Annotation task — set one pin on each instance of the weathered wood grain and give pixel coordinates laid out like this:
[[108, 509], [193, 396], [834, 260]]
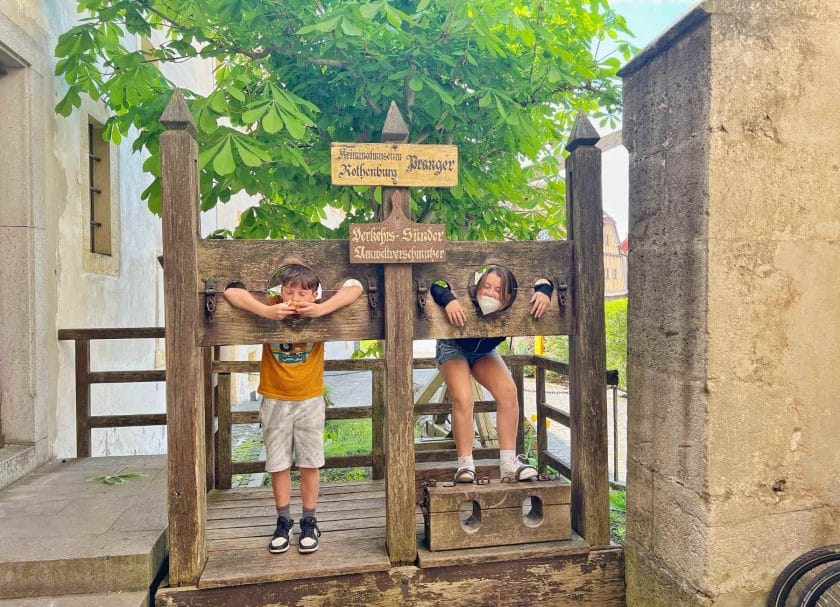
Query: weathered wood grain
[[224, 454], [184, 385], [498, 527], [126, 421], [399, 415], [587, 347], [378, 424], [82, 398], [496, 494], [254, 262], [528, 261], [589, 579]]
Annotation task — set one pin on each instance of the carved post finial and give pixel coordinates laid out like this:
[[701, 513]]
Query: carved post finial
[[177, 115], [583, 133], [395, 128]]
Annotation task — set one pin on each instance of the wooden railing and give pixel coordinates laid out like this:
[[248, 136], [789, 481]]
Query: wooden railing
[[221, 417]]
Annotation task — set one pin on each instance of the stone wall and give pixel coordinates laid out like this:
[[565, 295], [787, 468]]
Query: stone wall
[[734, 336]]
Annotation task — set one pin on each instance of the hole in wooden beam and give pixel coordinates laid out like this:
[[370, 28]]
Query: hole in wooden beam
[[532, 511], [469, 514], [492, 289]]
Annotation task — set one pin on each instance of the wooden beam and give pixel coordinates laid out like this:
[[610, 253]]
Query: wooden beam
[[400, 533], [184, 385], [587, 346]]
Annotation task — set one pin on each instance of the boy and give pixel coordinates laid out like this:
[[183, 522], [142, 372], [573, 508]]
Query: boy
[[292, 384]]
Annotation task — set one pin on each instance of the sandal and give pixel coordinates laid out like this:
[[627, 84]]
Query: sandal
[[464, 475], [521, 471]]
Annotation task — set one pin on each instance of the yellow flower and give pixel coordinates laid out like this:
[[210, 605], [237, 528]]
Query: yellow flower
[[534, 418], [548, 423]]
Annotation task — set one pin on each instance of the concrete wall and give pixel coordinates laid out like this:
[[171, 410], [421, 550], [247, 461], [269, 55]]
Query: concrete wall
[[734, 339]]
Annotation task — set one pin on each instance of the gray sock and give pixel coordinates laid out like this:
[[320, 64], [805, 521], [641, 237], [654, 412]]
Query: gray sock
[[310, 512], [284, 511]]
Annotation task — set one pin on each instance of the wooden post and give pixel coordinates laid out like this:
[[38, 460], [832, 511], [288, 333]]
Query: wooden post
[[587, 347], [184, 385], [400, 532], [518, 372], [377, 422], [224, 456], [542, 431], [82, 398], [209, 417]]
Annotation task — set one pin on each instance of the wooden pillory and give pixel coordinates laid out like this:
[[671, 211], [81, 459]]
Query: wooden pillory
[[198, 318]]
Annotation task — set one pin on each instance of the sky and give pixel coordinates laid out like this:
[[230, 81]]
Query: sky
[[647, 19]]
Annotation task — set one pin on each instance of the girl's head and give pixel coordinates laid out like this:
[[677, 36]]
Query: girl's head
[[496, 282]]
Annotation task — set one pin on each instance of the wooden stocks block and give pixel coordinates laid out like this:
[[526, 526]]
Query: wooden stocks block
[[496, 514]]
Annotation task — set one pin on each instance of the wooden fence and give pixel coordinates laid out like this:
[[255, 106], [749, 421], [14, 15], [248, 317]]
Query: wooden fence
[[220, 417]]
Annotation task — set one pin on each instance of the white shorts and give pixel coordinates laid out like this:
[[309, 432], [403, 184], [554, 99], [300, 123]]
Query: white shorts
[[293, 427]]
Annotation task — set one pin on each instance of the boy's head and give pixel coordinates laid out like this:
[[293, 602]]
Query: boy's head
[[298, 283]]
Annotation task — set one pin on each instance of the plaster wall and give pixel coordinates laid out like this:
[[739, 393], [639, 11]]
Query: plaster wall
[[67, 286], [733, 331]]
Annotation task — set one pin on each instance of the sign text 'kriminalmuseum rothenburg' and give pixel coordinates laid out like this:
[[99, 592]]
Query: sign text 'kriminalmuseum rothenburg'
[[394, 164]]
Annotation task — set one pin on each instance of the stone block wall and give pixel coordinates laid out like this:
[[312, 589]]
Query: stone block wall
[[734, 335]]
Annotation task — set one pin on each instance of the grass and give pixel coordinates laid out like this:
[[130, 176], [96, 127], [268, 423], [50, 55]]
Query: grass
[[618, 515]]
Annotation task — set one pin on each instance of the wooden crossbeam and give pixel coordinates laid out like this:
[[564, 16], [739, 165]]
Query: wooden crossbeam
[[253, 263]]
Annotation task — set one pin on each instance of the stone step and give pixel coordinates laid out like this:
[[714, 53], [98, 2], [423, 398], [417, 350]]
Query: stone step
[[16, 461], [108, 599], [63, 532]]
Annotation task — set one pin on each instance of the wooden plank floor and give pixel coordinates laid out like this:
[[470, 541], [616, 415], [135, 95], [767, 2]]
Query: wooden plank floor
[[352, 521], [240, 522]]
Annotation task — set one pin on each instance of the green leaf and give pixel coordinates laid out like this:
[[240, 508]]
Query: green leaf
[[416, 83], [322, 26], [486, 100], [251, 116], [369, 11], [223, 163], [272, 122], [248, 157], [350, 28]]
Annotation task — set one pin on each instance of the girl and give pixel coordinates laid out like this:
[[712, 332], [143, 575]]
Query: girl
[[457, 359]]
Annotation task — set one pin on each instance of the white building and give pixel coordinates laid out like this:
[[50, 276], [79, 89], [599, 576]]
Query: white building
[[53, 276]]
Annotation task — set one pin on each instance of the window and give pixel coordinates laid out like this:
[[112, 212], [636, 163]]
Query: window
[[99, 187]]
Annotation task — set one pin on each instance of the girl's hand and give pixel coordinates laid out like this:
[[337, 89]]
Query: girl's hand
[[455, 313], [539, 304]]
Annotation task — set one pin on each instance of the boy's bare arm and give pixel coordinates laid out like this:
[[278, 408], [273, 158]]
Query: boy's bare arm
[[242, 299], [343, 297]]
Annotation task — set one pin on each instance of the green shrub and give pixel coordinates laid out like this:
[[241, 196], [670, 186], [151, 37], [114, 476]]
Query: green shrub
[[615, 317]]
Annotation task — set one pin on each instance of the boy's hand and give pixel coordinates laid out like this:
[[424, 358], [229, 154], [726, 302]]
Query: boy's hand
[[539, 304], [310, 309], [278, 311], [455, 313]]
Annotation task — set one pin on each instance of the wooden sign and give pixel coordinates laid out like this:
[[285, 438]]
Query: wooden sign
[[397, 240], [394, 164]]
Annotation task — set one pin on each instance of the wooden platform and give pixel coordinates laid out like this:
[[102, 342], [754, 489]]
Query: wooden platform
[[352, 566]]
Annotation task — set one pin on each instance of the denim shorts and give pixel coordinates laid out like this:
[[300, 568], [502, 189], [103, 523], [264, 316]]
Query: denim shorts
[[450, 349]]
